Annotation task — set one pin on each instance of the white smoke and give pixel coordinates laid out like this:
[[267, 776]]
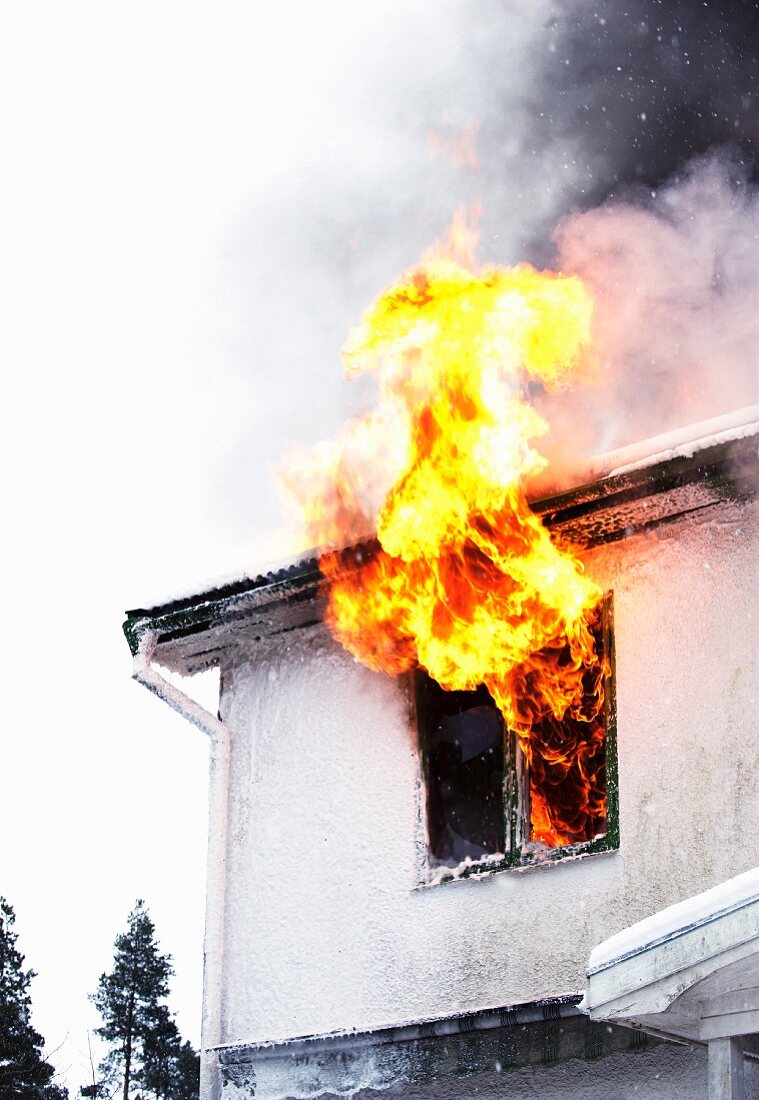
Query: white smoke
[[676, 328]]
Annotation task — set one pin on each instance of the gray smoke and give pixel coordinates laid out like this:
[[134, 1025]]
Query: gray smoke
[[658, 104], [624, 92], [579, 106]]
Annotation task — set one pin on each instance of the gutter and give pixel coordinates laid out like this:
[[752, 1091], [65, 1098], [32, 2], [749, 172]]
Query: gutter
[[562, 1007]]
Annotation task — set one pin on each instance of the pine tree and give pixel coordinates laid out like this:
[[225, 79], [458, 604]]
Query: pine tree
[[145, 1046], [129, 998], [186, 1073], [24, 1073], [171, 1070], [160, 1051]]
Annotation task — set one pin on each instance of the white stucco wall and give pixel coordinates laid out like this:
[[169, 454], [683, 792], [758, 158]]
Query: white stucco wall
[[320, 924]]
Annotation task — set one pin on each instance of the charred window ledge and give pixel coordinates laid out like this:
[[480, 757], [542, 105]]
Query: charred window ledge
[[479, 791]]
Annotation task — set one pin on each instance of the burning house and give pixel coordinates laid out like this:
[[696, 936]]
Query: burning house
[[452, 759], [358, 935]]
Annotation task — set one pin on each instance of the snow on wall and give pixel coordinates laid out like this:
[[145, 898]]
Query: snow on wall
[[323, 927]]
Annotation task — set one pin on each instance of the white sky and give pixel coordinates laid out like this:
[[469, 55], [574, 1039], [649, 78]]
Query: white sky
[[195, 202]]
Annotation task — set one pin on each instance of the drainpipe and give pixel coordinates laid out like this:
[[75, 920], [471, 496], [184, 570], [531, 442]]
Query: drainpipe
[[218, 784], [144, 673]]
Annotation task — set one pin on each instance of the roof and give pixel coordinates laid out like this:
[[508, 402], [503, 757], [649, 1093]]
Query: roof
[[436, 1055], [690, 971], [629, 491], [676, 920]]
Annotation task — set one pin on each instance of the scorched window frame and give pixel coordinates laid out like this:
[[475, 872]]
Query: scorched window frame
[[521, 853]]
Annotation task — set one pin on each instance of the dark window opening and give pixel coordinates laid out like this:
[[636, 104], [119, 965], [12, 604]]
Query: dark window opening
[[484, 799], [464, 746]]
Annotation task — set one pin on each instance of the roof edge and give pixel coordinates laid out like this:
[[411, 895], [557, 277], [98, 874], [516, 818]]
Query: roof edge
[[687, 477], [485, 1019]]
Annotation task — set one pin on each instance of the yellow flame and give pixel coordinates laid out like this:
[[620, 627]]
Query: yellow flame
[[466, 581]]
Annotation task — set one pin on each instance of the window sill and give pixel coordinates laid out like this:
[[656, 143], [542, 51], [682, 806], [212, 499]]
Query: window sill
[[531, 857]]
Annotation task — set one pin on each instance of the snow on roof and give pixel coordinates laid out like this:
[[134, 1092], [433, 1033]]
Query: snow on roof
[[681, 443], [224, 587], [684, 916]]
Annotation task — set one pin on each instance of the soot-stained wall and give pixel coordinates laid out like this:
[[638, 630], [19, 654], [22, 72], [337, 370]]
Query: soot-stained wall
[[319, 921]]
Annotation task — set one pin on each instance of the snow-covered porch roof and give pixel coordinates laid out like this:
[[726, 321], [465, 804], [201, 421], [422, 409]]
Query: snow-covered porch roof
[[688, 972]]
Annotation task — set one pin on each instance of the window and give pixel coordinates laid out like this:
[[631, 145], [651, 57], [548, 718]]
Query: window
[[484, 801]]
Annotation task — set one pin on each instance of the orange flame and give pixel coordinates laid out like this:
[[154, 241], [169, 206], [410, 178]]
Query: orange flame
[[464, 579]]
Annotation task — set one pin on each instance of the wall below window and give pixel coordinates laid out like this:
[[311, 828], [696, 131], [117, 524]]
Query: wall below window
[[323, 927]]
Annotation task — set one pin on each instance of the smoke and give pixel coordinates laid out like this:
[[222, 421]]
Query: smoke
[[623, 93], [565, 107], [360, 189], [647, 113], [674, 276]]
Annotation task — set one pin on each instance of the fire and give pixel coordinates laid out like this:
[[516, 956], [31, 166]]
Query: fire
[[464, 580]]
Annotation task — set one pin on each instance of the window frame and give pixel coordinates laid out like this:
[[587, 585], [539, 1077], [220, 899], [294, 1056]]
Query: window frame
[[522, 853]]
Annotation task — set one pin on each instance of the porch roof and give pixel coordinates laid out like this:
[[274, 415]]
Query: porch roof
[[688, 972]]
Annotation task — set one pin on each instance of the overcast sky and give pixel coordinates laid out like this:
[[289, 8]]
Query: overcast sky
[[196, 202]]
